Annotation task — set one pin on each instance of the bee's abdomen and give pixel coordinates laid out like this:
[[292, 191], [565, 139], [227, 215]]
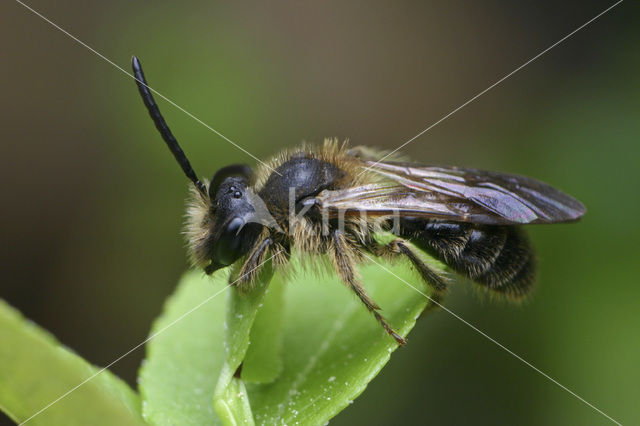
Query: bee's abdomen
[[497, 257]]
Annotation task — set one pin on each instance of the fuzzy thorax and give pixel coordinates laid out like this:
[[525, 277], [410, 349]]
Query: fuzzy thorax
[[306, 236]]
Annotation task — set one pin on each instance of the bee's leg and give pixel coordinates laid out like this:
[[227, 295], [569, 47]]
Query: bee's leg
[[430, 276], [399, 247], [252, 266], [342, 255]]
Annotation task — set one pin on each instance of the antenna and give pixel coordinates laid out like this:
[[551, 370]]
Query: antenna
[[162, 126]]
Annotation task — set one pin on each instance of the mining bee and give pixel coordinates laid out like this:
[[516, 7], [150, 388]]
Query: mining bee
[[333, 200]]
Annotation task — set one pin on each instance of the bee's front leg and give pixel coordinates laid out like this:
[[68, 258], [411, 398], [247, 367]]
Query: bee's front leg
[[253, 264]]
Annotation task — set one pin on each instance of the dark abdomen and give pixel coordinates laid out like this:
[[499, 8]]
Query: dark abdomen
[[499, 258]]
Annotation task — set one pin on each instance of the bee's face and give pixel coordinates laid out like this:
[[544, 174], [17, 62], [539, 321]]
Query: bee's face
[[221, 225], [230, 208]]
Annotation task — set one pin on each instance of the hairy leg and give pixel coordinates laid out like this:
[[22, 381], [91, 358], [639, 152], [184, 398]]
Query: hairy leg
[[253, 265], [342, 256], [430, 276], [400, 247]]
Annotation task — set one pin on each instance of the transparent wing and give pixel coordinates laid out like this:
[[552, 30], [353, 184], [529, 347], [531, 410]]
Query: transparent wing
[[456, 194]]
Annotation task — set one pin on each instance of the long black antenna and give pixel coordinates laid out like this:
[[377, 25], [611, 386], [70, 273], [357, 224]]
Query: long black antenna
[[162, 127]]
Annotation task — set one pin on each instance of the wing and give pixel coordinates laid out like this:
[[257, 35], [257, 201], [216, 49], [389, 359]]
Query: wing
[[456, 194]]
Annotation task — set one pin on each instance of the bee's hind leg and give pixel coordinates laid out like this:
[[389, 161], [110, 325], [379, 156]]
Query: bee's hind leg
[[400, 247], [343, 255]]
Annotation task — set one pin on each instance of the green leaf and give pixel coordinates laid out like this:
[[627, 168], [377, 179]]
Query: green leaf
[[333, 347], [319, 347], [230, 397], [263, 360], [242, 310], [231, 402], [35, 370], [184, 359], [186, 355]]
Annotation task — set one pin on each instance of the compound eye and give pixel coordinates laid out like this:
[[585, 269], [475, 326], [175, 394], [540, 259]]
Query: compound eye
[[228, 247]]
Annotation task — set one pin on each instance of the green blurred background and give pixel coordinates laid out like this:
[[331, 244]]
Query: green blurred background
[[93, 201]]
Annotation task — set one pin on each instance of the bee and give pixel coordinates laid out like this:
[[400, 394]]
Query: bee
[[331, 201]]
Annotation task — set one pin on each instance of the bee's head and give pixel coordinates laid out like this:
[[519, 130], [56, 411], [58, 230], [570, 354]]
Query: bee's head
[[222, 223], [232, 222]]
